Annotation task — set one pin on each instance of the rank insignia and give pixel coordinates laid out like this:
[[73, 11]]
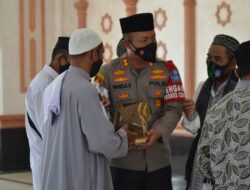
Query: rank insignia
[[157, 71], [150, 64], [123, 96], [157, 77], [158, 103], [157, 93], [119, 73], [99, 78], [125, 62], [120, 79]]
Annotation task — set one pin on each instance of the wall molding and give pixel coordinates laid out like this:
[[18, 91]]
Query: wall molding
[[18, 121], [12, 121]]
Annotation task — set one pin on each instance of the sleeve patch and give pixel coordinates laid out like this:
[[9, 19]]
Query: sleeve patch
[[174, 88], [99, 78], [174, 75]]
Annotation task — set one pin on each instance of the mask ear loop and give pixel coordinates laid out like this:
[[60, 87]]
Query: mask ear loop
[[237, 72], [132, 44], [126, 53]]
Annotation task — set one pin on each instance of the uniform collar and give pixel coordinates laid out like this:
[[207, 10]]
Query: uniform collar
[[51, 72], [126, 64], [79, 71]]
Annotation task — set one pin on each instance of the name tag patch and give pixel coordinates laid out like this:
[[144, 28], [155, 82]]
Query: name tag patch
[[157, 83], [122, 86]]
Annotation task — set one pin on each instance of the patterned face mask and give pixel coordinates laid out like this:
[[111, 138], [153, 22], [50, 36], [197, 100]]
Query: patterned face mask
[[215, 71]]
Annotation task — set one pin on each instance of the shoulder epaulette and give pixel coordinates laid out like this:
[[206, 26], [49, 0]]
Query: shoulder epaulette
[[170, 65]]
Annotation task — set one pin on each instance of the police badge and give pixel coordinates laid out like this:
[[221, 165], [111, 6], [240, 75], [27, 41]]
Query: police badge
[[136, 115]]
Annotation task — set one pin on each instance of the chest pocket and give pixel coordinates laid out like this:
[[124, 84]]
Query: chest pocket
[[156, 92]]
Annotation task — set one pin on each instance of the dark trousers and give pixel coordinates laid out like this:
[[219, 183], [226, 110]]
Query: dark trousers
[[142, 180]]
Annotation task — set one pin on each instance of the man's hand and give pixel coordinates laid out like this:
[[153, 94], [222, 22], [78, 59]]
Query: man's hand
[[105, 102], [153, 136], [188, 107]]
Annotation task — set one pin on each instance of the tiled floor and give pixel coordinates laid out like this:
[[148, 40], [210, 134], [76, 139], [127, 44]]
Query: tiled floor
[[22, 181], [16, 181]]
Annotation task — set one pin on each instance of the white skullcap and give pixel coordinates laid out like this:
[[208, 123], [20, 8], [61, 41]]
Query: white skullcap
[[83, 40]]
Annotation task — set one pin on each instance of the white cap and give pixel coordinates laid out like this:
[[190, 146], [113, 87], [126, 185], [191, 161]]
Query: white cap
[[83, 40]]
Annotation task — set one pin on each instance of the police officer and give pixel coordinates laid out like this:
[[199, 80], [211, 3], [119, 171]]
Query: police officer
[[139, 76]]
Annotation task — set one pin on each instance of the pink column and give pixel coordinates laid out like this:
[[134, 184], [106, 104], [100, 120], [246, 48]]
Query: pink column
[[131, 6], [81, 7], [189, 55]]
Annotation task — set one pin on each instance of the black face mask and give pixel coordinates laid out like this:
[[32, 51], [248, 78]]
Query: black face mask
[[147, 53], [63, 68], [95, 67], [214, 71]]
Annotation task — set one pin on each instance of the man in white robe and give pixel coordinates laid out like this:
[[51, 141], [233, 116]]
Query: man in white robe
[[223, 151], [33, 103], [80, 138]]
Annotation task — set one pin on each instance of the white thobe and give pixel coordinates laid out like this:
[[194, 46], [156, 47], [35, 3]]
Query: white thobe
[[80, 139], [34, 106]]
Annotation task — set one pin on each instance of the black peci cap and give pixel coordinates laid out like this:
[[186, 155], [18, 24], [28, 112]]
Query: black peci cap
[[227, 41], [137, 23], [61, 44]]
